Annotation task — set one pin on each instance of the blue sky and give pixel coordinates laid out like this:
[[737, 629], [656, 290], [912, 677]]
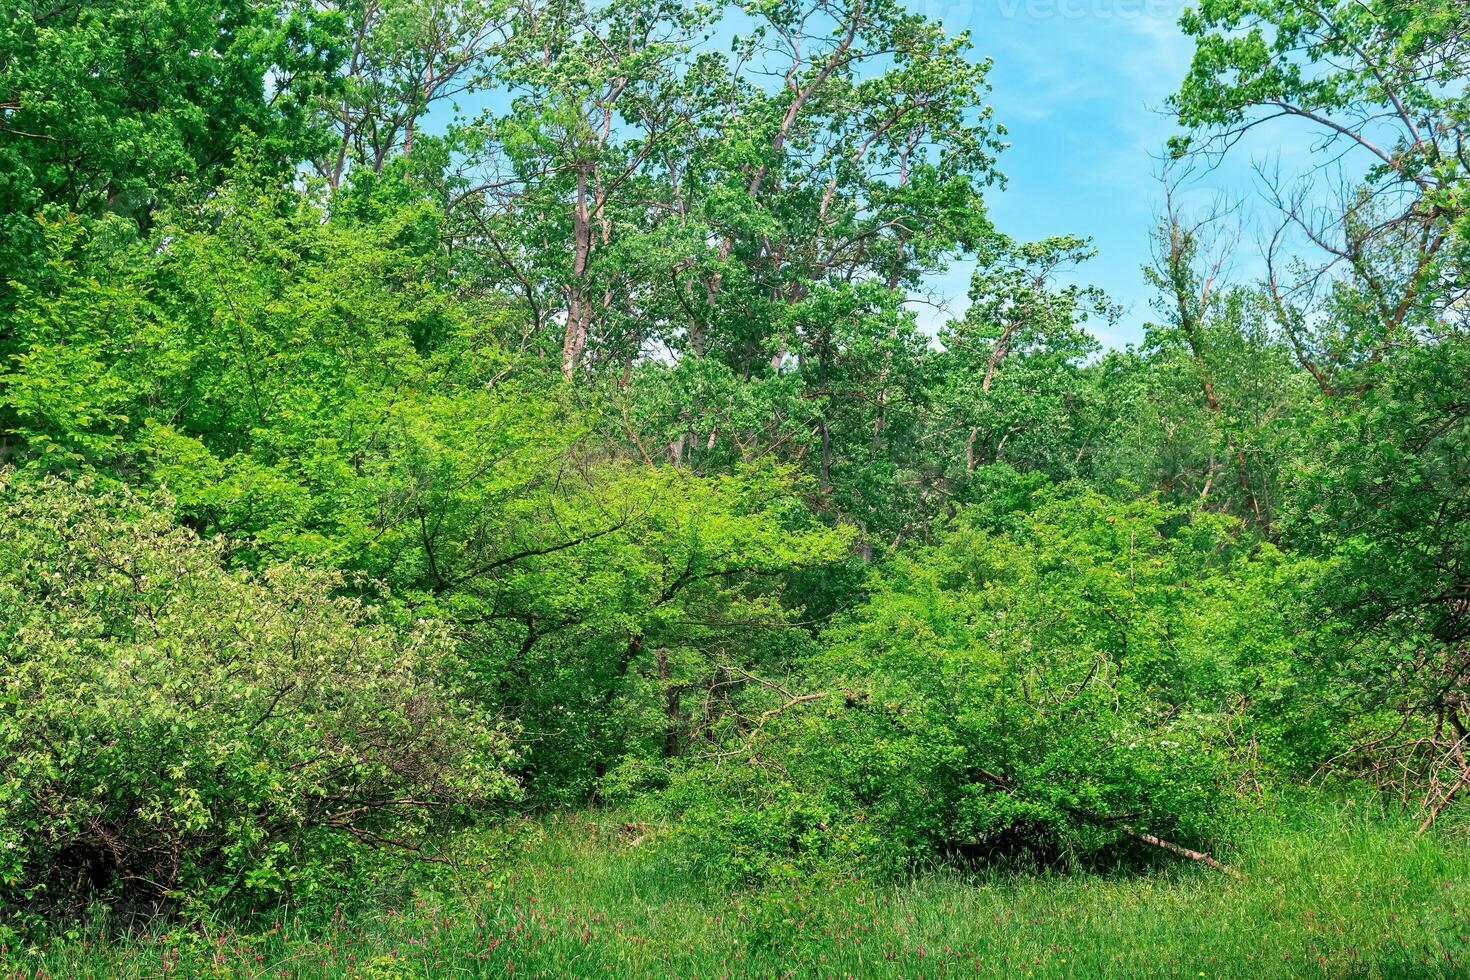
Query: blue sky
[[1080, 86]]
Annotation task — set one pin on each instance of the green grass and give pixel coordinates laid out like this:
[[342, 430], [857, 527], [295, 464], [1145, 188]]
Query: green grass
[[1329, 892]]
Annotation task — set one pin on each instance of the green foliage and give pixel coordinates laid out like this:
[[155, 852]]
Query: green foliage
[[1011, 371], [610, 650], [65, 393], [107, 104], [173, 730], [1384, 497], [1054, 690], [347, 434], [1374, 486], [303, 385], [753, 826]]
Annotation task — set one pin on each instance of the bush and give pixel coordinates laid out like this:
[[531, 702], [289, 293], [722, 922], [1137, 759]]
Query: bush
[[169, 727], [1052, 692]]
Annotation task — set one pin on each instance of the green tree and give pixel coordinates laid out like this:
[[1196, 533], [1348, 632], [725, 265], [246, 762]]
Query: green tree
[[1377, 485], [1014, 387], [402, 60], [103, 105], [1384, 82]]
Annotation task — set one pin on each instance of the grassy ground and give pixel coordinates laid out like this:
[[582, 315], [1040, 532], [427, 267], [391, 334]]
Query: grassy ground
[[1330, 893]]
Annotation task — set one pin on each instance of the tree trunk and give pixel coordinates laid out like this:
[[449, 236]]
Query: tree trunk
[[578, 310]]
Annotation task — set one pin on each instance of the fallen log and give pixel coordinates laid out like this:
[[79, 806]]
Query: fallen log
[[1180, 850]]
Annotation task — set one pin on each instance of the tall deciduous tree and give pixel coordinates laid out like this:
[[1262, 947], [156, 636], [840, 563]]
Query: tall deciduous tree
[[403, 58], [1015, 352], [1377, 320]]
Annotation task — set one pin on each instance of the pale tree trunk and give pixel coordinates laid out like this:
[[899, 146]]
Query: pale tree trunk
[[893, 276], [578, 311]]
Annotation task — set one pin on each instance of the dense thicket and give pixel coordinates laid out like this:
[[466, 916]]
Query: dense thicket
[[175, 728], [368, 436]]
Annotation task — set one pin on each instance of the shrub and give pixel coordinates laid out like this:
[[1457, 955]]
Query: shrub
[[1057, 692], [170, 727]]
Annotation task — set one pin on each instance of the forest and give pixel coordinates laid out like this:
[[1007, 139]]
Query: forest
[[482, 497]]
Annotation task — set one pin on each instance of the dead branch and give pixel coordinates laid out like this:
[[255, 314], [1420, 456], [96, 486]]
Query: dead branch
[[1180, 850]]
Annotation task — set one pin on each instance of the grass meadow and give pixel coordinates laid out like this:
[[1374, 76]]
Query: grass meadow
[[1326, 891]]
